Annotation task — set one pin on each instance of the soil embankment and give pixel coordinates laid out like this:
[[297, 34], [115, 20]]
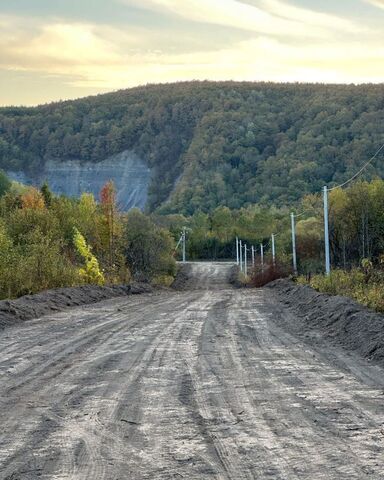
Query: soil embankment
[[34, 306], [191, 276], [338, 319]]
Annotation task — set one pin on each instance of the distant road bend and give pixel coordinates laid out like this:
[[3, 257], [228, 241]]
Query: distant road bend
[[199, 384]]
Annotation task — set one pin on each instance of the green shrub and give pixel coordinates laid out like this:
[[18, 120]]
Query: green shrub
[[149, 249], [34, 265], [5, 183], [163, 280]]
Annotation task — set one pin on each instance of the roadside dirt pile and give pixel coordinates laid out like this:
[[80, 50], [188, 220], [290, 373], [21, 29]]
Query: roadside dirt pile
[[183, 277], [339, 319], [34, 306], [235, 279]]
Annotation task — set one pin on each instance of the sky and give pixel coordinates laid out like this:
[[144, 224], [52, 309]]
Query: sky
[[59, 49]]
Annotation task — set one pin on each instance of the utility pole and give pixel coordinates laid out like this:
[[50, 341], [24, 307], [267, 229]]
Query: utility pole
[[253, 256], [184, 241], [273, 250], [326, 233], [245, 260], [294, 258], [241, 255], [262, 257], [237, 250]]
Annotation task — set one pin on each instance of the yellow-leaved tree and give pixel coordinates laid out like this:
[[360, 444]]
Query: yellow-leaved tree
[[91, 272]]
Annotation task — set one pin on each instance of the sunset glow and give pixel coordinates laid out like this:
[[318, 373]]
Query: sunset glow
[[67, 49]]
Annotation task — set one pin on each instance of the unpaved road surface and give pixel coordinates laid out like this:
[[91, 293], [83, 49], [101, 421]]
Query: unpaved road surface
[[199, 384]]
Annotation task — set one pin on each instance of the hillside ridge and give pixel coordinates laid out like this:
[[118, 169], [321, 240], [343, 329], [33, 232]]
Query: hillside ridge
[[208, 143]]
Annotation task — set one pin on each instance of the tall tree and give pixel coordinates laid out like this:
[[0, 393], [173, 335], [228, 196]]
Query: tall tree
[[108, 203]]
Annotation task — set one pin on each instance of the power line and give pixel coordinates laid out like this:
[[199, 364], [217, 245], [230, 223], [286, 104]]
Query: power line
[[178, 243], [326, 190], [303, 213], [360, 171]]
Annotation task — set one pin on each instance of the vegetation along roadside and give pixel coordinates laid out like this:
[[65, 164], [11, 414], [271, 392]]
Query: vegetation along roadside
[[49, 241]]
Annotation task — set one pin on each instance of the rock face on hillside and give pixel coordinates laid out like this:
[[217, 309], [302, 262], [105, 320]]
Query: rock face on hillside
[[71, 177]]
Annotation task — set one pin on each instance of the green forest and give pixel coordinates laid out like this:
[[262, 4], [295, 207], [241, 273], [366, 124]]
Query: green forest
[[49, 241], [356, 220], [210, 144]]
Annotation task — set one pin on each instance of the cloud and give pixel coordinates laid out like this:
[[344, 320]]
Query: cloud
[[92, 57], [376, 3], [55, 44], [309, 17], [69, 43], [272, 17], [256, 59]]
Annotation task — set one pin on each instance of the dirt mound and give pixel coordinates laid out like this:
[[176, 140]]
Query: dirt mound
[[184, 274], [235, 278], [339, 319], [35, 306]]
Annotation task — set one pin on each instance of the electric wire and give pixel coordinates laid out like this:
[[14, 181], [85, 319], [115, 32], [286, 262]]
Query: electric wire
[[267, 244], [264, 246], [360, 171], [302, 213]]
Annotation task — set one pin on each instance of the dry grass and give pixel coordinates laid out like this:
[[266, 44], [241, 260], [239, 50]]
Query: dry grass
[[271, 272], [366, 288]]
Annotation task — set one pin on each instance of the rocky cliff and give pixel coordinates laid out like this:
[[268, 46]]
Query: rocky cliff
[[72, 177]]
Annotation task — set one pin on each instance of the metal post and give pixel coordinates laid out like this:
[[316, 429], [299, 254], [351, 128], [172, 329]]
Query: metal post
[[241, 255], [245, 261], [273, 250], [237, 250], [184, 249], [253, 256], [178, 243], [326, 233], [262, 256], [294, 258]]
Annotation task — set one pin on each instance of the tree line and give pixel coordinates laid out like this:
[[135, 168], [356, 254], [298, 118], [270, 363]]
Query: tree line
[[356, 217], [49, 241]]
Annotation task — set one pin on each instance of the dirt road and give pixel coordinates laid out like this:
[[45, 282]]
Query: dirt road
[[200, 384]]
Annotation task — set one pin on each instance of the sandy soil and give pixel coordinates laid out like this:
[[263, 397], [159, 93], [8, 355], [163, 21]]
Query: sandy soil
[[57, 300], [206, 383], [339, 320]]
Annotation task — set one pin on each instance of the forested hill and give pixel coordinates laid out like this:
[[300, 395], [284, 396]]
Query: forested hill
[[209, 143]]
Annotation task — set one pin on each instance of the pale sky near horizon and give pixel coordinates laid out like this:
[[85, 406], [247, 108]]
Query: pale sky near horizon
[[60, 49]]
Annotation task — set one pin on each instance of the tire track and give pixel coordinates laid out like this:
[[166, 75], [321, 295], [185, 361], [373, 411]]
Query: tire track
[[202, 384]]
